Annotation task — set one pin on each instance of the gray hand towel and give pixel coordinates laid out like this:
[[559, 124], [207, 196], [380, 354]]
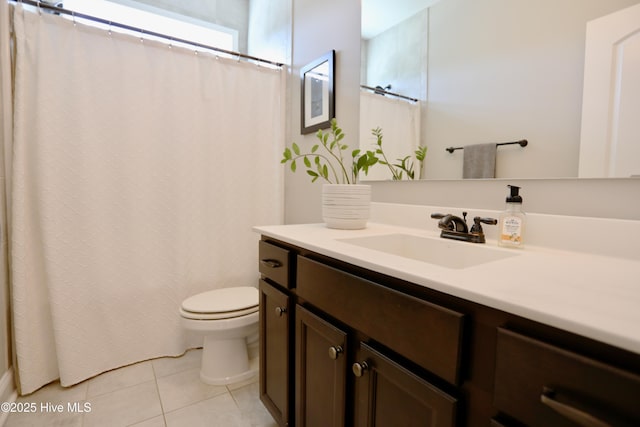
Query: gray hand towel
[[479, 161]]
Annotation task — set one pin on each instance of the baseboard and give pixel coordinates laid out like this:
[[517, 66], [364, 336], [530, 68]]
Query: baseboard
[[8, 392]]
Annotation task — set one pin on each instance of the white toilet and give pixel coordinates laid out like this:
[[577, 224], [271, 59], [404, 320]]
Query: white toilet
[[228, 319]]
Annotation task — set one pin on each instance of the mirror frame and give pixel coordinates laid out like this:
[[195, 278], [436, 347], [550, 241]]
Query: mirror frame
[[310, 123]]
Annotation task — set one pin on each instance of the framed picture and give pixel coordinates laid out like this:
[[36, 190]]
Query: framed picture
[[317, 93]]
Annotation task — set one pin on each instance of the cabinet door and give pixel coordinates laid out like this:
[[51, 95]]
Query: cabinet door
[[387, 394], [321, 368], [274, 352]]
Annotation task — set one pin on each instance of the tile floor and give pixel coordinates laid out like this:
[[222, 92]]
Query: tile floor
[[155, 393]]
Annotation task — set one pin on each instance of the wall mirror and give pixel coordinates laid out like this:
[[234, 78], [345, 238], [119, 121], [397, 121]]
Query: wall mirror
[[483, 71], [317, 98]]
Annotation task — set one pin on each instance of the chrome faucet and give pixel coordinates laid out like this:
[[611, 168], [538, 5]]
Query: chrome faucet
[[454, 227]]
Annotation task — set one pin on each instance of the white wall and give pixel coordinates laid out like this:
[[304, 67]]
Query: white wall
[[318, 27], [601, 198], [503, 70]]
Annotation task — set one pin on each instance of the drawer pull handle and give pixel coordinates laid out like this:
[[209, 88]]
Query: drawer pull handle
[[271, 263], [334, 352], [576, 415], [359, 368], [280, 311]]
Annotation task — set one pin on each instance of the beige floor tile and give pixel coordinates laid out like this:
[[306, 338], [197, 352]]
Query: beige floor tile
[[124, 407], [137, 395], [185, 388], [120, 378], [45, 406], [152, 422], [219, 411], [253, 411], [44, 419], [172, 365]]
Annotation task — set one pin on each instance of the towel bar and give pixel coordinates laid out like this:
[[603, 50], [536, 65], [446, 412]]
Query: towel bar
[[522, 142]]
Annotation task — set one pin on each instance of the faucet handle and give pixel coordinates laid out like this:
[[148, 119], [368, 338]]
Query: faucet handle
[[478, 221], [444, 222], [491, 221]]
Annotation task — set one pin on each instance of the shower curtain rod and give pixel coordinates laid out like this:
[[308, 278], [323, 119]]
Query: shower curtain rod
[[60, 10], [386, 92]]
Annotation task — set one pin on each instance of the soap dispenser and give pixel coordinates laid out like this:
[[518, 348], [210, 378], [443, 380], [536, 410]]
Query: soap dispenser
[[512, 221]]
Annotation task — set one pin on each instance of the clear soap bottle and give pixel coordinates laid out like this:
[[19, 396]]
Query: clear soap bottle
[[512, 221]]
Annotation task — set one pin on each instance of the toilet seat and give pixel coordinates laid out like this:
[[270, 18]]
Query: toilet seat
[[223, 303], [217, 316]]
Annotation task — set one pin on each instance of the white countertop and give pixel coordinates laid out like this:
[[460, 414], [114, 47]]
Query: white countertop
[[591, 295]]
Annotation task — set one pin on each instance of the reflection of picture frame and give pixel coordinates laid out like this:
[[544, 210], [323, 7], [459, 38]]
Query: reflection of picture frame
[[317, 93]]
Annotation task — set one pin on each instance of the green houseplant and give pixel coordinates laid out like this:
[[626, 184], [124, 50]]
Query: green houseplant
[[345, 203], [334, 163], [405, 165]]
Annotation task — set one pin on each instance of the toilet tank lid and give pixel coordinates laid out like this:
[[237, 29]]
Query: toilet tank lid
[[222, 300]]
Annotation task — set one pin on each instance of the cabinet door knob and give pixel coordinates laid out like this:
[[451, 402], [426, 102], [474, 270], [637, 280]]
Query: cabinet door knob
[[334, 352], [280, 311], [359, 368]]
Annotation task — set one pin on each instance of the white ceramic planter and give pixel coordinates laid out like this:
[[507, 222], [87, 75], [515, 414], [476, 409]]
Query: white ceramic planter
[[346, 206]]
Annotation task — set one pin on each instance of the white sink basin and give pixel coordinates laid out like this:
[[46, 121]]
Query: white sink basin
[[433, 250]]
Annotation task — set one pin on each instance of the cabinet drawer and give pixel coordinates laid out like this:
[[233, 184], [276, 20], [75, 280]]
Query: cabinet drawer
[[543, 385], [425, 333], [274, 263]]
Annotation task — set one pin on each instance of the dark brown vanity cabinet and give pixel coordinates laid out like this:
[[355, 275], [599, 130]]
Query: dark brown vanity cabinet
[[345, 346]]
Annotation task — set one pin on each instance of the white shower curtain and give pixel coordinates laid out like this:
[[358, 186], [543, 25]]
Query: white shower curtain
[[400, 124], [138, 171]]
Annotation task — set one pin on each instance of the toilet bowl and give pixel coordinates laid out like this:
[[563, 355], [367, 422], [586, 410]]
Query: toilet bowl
[[228, 319]]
